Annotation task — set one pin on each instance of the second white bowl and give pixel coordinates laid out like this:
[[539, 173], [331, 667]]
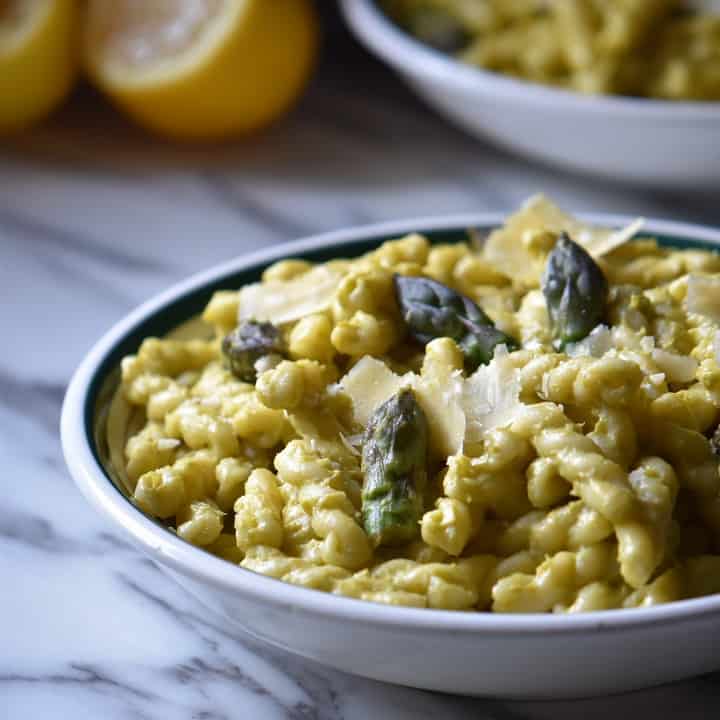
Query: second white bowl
[[651, 142]]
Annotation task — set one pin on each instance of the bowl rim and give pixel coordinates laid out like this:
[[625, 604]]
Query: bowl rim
[[407, 54], [168, 549]]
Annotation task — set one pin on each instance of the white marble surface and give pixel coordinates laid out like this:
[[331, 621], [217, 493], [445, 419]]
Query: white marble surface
[[95, 217]]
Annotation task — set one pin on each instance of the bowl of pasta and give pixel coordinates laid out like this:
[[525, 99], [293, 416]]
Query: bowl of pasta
[[621, 90], [472, 454]]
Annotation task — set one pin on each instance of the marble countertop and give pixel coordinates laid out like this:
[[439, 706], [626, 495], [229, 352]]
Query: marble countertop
[[94, 218]]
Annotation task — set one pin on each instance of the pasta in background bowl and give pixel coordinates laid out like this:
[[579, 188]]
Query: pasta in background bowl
[[665, 49], [657, 142], [283, 458]]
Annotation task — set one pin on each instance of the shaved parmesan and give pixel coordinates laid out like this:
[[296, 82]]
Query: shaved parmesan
[[369, 384], [602, 242], [507, 248], [458, 409], [285, 301], [441, 402], [677, 368], [703, 296], [491, 396]]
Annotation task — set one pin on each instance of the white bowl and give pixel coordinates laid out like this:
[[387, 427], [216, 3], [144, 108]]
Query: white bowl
[[538, 656], [652, 142]]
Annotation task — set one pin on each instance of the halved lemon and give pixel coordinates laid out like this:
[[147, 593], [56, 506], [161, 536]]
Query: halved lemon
[[37, 58], [201, 69]]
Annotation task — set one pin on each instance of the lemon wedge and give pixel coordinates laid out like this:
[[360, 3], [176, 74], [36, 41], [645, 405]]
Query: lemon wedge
[[37, 58], [201, 69]]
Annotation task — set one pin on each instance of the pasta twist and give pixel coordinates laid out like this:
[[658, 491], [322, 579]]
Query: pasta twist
[[442, 259], [556, 582], [258, 513], [165, 491], [609, 381], [323, 499], [614, 434], [545, 486], [642, 542], [569, 527], [148, 450], [272, 562], [448, 527], [200, 523], [453, 586], [495, 480], [168, 357], [600, 482]]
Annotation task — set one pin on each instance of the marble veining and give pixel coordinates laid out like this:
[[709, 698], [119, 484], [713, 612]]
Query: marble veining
[[94, 218]]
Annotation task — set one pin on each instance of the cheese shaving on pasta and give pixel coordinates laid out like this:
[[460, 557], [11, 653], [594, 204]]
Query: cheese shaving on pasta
[[491, 396], [511, 248], [285, 301], [369, 384], [460, 410]]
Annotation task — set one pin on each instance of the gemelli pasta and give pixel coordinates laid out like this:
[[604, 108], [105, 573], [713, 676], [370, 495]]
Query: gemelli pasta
[[527, 423], [645, 48]]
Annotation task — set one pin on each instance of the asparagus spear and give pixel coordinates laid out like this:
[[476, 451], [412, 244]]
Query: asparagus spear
[[575, 291], [431, 310], [394, 460], [249, 342]]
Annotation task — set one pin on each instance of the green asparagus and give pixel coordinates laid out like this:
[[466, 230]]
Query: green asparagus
[[394, 461], [431, 310], [575, 292], [249, 342]]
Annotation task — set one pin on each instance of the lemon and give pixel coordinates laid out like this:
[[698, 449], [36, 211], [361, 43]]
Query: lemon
[[37, 58], [201, 69]]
